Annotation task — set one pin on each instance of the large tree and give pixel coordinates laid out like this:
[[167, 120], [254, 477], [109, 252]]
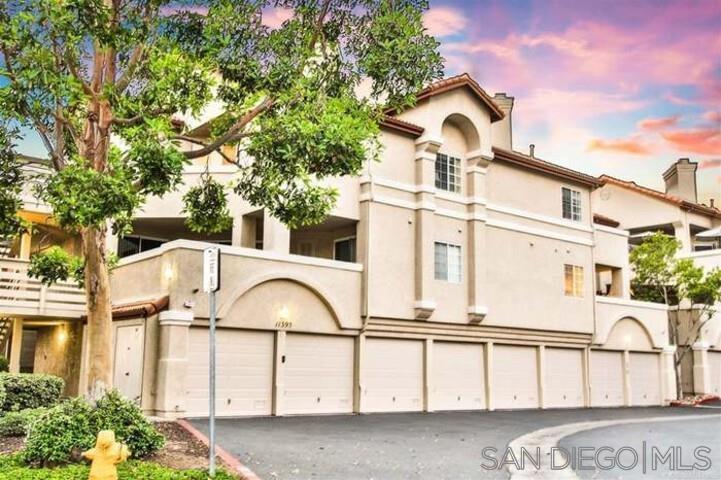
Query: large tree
[[101, 80], [690, 292]]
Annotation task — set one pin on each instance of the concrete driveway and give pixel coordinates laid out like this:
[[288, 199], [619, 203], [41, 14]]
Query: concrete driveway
[[443, 445]]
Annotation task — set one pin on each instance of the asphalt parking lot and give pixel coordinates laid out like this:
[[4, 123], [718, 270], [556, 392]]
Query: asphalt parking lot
[[441, 445]]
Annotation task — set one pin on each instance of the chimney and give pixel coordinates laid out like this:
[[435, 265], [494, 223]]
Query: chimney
[[502, 130], [532, 150], [680, 180]]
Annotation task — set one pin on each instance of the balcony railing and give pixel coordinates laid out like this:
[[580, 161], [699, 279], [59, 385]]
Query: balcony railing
[[23, 296]]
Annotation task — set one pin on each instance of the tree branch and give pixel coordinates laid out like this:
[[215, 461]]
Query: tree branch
[[197, 141], [233, 131], [135, 58]]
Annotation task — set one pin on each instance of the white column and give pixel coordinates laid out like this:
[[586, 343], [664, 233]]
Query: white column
[[541, 361], [682, 233], [171, 381], [626, 378], [428, 387], [278, 373], [359, 382], [276, 236], [476, 165], [16, 345], [668, 373], [586, 365], [701, 373], [426, 149], [488, 363]]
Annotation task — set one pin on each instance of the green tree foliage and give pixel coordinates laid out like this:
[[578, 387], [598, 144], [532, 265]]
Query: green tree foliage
[[114, 90], [661, 276]]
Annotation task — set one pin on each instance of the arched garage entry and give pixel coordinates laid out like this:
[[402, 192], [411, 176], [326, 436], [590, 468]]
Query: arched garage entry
[[279, 351], [626, 370]]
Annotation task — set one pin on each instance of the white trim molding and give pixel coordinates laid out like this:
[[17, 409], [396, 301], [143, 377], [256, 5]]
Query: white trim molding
[[539, 217], [611, 230], [181, 318], [492, 222], [626, 302]]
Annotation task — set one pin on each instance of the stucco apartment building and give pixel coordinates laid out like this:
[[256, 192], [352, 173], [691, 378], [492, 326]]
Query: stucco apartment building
[[456, 273]]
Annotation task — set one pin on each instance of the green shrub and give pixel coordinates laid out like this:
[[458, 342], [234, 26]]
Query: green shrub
[[72, 426], [114, 412], [64, 433], [16, 424], [12, 467], [30, 390], [4, 364]]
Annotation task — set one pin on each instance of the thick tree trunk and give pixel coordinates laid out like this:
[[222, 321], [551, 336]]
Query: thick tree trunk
[[97, 291]]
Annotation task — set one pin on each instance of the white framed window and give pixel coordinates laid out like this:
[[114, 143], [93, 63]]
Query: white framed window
[[573, 280], [571, 201], [448, 262], [344, 249], [448, 173]]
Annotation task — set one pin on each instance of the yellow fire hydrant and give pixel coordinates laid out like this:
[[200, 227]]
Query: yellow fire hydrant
[[105, 456]]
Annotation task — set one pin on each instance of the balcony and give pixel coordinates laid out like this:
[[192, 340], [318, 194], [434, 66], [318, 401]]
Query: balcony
[[22, 296], [707, 259], [251, 280]]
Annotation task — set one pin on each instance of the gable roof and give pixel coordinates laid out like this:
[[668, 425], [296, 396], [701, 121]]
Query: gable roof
[[402, 126], [664, 197], [533, 163], [461, 81]]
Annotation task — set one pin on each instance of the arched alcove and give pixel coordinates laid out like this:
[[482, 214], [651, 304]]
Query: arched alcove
[[629, 334], [459, 135], [283, 304]]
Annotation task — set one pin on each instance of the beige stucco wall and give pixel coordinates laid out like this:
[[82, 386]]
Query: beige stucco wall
[[652, 317], [58, 352]]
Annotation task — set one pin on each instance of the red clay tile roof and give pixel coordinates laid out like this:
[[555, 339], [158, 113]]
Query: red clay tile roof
[[603, 220], [462, 80], [402, 126], [665, 197], [142, 308], [533, 163], [459, 81]]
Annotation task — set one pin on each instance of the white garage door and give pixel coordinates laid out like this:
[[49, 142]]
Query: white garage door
[[244, 372], [564, 378], [392, 375], [318, 374], [606, 378], [515, 377], [645, 376], [457, 378], [714, 362]]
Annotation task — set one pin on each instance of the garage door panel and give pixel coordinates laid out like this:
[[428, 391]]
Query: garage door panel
[[515, 377], [645, 377], [318, 374], [392, 375], [606, 378], [457, 378], [244, 372], [564, 378]]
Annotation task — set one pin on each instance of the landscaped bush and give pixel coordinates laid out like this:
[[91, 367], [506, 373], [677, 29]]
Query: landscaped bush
[[16, 424], [72, 426], [12, 467], [114, 412], [30, 390], [65, 432]]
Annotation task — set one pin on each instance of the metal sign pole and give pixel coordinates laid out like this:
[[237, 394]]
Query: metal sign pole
[[211, 410], [211, 284]]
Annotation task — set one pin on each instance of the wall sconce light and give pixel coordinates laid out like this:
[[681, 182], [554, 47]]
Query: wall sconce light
[[168, 272], [627, 339], [283, 314], [62, 334]]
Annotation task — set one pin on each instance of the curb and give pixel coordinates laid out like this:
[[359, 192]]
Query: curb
[[235, 465]]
